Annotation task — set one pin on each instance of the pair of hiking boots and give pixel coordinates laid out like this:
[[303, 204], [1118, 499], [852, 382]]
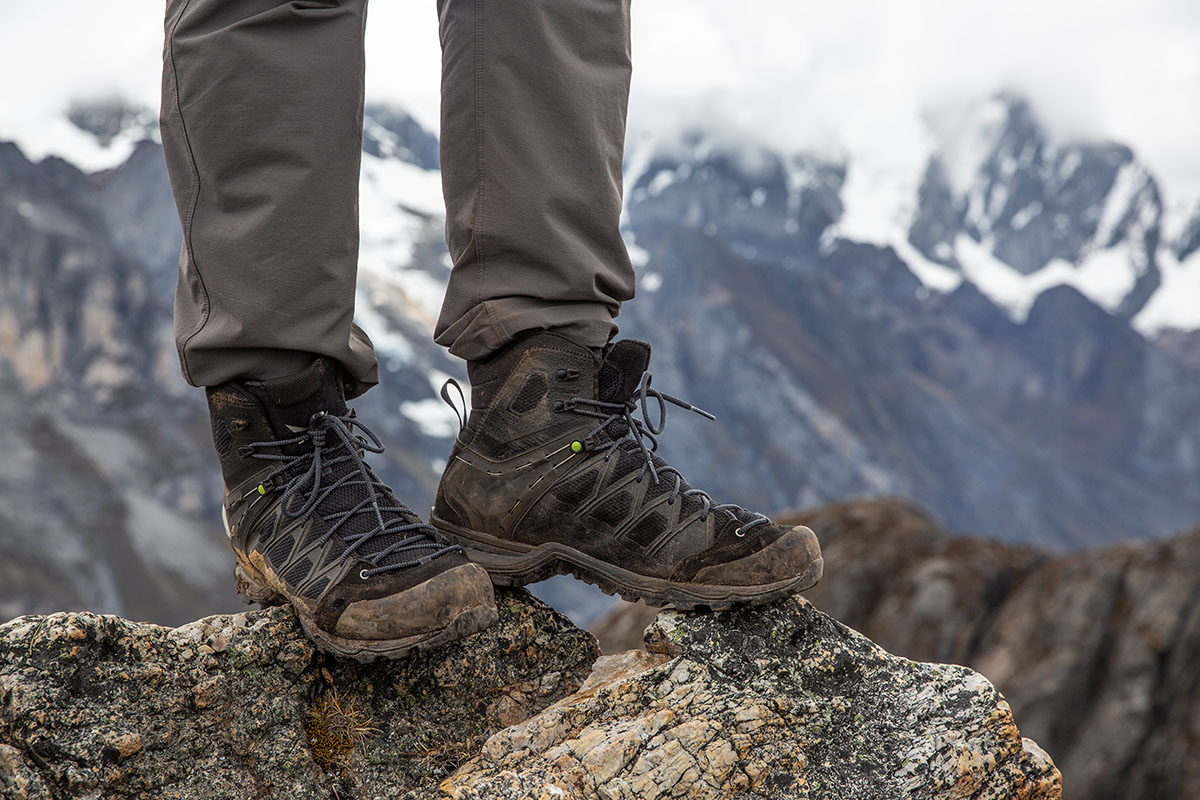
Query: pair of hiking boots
[[555, 471]]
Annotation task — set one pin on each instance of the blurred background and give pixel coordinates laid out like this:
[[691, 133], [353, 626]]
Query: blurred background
[[947, 253]]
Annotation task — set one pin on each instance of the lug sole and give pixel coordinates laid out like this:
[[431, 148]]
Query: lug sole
[[513, 564], [254, 588]]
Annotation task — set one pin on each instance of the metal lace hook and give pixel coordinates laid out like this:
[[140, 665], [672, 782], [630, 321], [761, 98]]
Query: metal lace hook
[[462, 418]]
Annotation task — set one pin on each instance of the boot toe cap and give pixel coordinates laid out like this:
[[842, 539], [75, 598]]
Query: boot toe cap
[[794, 554], [464, 591]]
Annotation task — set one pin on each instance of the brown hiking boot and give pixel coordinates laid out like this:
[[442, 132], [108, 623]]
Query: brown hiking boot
[[312, 525], [553, 473]]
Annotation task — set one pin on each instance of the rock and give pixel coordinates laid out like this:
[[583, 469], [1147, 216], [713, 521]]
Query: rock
[[241, 705], [776, 702], [1096, 651]]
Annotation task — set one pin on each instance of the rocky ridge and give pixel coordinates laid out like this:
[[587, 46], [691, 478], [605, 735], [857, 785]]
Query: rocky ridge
[[1096, 651], [769, 703]]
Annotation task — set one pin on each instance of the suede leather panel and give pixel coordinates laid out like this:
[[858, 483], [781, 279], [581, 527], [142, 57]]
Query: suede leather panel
[[786, 557], [431, 604], [728, 550], [352, 589]]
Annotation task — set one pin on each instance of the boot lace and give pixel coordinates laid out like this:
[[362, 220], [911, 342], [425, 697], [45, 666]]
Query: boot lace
[[638, 432], [337, 453]]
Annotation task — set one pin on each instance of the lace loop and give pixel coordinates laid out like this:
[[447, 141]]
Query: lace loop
[[641, 431]]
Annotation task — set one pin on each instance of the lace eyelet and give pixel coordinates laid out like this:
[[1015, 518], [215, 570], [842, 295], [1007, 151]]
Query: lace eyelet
[[362, 573], [740, 533], [670, 501]]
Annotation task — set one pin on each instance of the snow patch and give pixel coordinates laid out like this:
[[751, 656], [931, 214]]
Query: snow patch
[[967, 134], [1026, 215], [661, 180], [1176, 304], [931, 274], [432, 416], [1129, 182], [55, 135], [1105, 277]]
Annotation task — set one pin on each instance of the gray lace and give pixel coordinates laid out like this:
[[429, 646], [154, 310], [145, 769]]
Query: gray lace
[[642, 430], [304, 474]]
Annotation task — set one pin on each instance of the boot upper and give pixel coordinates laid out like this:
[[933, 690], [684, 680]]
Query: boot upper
[[560, 447]]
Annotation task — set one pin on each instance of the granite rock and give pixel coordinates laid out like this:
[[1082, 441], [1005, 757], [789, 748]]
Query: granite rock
[[776, 702]]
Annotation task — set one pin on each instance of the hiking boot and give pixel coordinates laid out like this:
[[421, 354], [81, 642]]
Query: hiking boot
[[312, 525], [555, 472]]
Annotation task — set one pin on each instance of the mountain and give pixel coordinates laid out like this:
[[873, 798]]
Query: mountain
[[1003, 335], [843, 360]]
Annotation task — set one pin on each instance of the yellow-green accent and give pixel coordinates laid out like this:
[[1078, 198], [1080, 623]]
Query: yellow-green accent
[[576, 447], [262, 489]]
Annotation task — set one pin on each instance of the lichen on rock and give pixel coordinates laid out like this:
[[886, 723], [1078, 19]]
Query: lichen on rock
[[774, 702], [242, 705]]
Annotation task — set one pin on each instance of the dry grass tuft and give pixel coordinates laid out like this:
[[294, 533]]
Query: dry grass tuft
[[336, 726]]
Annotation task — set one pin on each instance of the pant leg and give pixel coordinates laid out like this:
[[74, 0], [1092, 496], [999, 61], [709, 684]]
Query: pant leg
[[262, 130], [534, 98]]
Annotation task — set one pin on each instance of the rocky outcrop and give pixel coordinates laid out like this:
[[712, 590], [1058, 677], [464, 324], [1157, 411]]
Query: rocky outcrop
[[764, 703], [242, 706], [1096, 651], [775, 702]]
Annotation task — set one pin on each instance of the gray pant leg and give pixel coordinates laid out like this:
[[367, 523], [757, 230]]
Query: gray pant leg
[[262, 130], [534, 98]]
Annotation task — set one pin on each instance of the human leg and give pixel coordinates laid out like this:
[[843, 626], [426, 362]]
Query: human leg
[[555, 470], [262, 126], [534, 97], [261, 121]]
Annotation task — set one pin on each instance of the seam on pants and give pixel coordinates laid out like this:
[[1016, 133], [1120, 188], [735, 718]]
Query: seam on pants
[[195, 200], [480, 238]]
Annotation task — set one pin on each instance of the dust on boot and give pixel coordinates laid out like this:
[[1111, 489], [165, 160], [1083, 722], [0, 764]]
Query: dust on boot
[[312, 524], [556, 472]]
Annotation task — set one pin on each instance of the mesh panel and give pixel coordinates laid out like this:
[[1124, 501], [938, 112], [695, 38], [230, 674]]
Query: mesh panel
[[575, 490], [665, 485], [222, 438], [627, 463], [353, 494], [648, 529], [279, 552], [315, 590], [615, 509], [609, 382], [349, 496], [297, 572], [690, 506], [530, 395]]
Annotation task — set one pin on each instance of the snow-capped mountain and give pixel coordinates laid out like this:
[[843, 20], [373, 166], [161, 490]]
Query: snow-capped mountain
[[1004, 328]]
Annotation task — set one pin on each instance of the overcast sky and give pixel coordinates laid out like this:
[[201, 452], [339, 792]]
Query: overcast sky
[[851, 75]]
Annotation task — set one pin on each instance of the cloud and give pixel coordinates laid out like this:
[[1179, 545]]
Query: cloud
[[850, 75]]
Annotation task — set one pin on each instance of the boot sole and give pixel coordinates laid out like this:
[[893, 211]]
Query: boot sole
[[514, 564], [255, 588]]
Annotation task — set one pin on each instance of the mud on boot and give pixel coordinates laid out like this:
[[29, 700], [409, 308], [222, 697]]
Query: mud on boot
[[556, 472], [312, 525]]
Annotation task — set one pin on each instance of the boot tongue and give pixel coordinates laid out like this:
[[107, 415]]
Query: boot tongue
[[621, 370], [291, 401]]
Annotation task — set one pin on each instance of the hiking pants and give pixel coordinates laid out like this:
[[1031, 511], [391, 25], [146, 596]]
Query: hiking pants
[[262, 113]]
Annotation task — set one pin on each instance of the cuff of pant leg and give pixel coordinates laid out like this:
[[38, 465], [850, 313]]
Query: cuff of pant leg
[[491, 325]]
